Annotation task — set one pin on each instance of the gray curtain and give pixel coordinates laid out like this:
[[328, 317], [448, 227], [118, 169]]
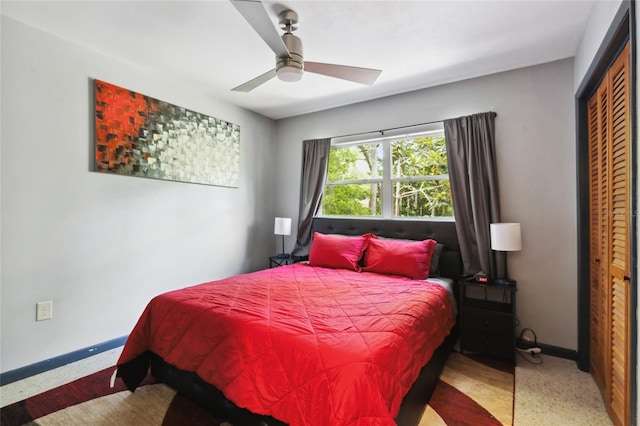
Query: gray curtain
[[315, 158], [474, 187]]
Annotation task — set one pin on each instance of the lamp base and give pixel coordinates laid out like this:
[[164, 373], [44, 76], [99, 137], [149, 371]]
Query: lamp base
[[283, 255]]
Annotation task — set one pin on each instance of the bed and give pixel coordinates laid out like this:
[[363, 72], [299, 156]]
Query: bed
[[310, 343]]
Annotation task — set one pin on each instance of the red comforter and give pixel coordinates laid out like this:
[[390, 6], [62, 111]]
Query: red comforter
[[306, 345]]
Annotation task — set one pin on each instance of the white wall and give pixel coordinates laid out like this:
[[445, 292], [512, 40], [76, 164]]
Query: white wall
[[600, 19], [535, 138], [99, 245]]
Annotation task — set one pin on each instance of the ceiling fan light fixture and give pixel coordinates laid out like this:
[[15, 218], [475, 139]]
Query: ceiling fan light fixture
[[290, 73], [290, 68], [290, 63]]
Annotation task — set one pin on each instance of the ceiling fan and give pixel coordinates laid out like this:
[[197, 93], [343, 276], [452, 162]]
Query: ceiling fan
[[290, 64]]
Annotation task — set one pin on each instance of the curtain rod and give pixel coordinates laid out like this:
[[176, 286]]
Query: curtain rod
[[381, 131]]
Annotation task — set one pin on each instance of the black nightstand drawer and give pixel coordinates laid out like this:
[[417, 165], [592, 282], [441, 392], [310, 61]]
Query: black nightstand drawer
[[487, 325], [488, 332], [487, 321]]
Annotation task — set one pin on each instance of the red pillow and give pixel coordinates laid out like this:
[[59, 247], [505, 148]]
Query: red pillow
[[399, 257], [337, 251]]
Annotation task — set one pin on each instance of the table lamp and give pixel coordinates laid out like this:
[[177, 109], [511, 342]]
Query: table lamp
[[505, 237], [282, 226]]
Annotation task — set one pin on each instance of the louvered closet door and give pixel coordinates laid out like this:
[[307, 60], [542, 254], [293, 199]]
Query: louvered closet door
[[598, 137], [619, 231], [609, 143]]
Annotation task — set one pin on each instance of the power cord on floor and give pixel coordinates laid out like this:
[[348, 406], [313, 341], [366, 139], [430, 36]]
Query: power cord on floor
[[531, 357], [527, 343]]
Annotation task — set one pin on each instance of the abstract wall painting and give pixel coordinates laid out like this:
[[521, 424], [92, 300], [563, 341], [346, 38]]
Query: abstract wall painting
[[137, 135]]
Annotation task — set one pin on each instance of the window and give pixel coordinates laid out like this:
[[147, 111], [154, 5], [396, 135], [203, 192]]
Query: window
[[390, 177]]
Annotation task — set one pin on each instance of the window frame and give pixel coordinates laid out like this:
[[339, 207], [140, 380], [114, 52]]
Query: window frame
[[386, 181]]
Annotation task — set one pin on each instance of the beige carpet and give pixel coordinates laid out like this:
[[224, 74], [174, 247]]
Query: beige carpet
[[470, 392], [477, 394]]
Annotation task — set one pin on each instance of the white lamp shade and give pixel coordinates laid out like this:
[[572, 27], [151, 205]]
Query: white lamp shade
[[506, 236], [282, 226]]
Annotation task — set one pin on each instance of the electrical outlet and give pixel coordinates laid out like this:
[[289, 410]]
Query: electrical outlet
[[44, 310]]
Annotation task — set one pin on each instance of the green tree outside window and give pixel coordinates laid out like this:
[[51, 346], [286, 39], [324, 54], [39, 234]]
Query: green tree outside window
[[418, 178]]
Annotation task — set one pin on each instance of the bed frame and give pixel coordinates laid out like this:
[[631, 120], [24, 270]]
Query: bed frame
[[413, 404]]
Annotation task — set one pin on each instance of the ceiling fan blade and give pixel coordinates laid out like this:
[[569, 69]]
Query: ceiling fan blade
[[256, 15], [366, 76], [252, 84]]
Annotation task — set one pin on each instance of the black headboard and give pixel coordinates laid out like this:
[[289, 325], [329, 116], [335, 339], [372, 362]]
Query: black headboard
[[443, 232]]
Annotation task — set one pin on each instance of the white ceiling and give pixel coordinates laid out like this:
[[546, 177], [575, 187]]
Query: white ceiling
[[416, 44]]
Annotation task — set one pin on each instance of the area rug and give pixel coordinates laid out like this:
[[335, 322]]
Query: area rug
[[471, 391]]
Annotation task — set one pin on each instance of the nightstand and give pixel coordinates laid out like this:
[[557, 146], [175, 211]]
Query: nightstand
[[280, 261], [487, 320]]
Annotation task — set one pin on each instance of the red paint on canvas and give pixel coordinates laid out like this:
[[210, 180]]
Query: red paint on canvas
[[120, 114]]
